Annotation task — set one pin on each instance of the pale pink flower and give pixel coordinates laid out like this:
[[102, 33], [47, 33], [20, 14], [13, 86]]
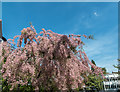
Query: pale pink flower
[[46, 55]]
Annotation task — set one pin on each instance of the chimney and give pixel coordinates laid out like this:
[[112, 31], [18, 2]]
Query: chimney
[[0, 28]]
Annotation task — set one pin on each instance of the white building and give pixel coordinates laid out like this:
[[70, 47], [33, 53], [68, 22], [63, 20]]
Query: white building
[[111, 82]]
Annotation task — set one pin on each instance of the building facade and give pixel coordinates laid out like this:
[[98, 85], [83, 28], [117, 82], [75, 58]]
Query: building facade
[[111, 82]]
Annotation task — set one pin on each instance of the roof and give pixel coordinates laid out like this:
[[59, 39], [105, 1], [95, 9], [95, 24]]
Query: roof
[[111, 75]]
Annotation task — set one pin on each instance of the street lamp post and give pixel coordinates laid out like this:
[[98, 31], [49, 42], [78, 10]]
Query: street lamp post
[[0, 53], [0, 28], [1, 37]]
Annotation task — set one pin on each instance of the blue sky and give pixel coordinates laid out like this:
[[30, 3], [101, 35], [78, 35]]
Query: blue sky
[[98, 19], [60, 0], [0, 10]]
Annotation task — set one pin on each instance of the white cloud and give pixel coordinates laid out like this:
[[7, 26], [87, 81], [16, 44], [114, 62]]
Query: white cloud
[[95, 13], [104, 50]]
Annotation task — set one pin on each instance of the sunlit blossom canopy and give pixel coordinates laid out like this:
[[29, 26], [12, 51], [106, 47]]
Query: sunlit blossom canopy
[[44, 56]]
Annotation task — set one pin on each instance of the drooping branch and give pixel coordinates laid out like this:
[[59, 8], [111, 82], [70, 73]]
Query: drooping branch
[[45, 56]]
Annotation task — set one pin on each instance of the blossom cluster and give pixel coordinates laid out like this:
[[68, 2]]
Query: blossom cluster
[[44, 56]]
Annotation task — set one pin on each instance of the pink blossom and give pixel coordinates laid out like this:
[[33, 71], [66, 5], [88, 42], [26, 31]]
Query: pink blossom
[[45, 55]]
